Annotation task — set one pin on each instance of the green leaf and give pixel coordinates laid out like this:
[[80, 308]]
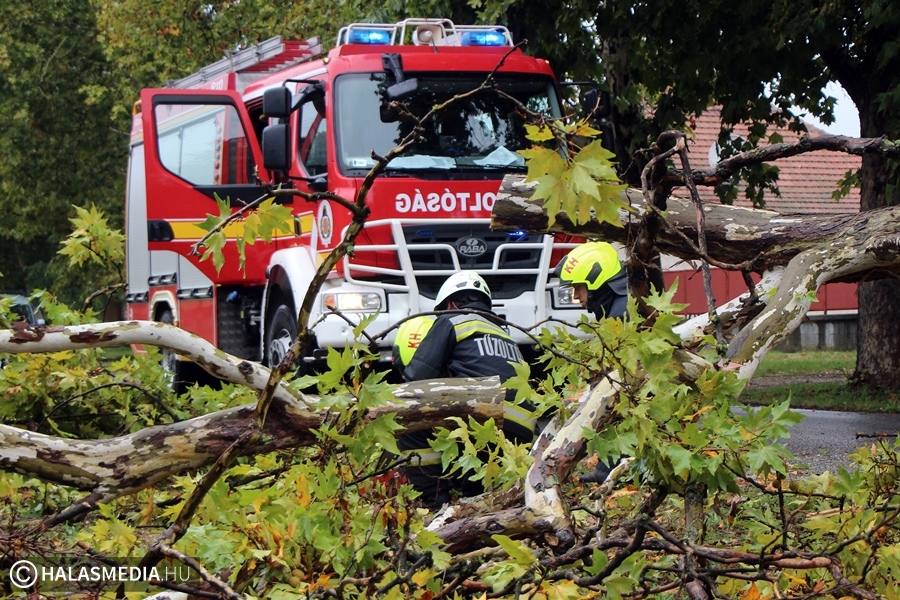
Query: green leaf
[[599, 560], [273, 219], [215, 246], [554, 192], [543, 161], [518, 552], [680, 459], [767, 458]]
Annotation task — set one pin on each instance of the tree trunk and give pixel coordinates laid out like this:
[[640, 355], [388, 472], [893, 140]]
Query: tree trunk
[[812, 250], [878, 331], [734, 234], [878, 327], [109, 468]]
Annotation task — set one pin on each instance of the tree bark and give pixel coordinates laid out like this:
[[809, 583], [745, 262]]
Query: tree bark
[[878, 334], [38, 338], [734, 234], [114, 467], [124, 465], [878, 330], [812, 250]]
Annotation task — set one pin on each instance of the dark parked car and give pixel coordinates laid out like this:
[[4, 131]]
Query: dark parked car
[[22, 307]]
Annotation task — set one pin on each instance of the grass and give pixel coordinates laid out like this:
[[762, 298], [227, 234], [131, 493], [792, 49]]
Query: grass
[[832, 392], [807, 363]]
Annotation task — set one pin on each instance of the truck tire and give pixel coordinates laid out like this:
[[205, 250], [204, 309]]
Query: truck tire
[[281, 332], [170, 363], [182, 374]]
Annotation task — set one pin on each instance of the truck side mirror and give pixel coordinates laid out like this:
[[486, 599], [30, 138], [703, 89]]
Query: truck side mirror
[[276, 147], [597, 103], [277, 103]]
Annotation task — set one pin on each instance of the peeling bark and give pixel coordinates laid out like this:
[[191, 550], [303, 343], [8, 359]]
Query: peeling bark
[[558, 450], [26, 338], [734, 234], [114, 467], [812, 250]]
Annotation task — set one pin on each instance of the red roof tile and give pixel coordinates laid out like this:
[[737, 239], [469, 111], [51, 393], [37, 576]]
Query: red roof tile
[[806, 181]]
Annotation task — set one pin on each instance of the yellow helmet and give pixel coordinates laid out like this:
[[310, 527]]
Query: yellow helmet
[[409, 336], [591, 263]]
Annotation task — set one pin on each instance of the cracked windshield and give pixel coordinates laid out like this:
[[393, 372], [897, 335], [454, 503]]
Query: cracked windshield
[[481, 132]]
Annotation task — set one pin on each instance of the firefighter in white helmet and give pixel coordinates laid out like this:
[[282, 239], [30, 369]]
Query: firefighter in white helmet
[[459, 345]]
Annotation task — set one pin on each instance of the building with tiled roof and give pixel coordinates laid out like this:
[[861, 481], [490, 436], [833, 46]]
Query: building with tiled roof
[[806, 181]]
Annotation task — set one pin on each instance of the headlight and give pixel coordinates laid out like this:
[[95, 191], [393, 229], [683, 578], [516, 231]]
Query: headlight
[[352, 302], [565, 297]]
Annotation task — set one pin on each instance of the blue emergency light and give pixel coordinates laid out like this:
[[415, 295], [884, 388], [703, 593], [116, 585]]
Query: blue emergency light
[[483, 38], [369, 36]]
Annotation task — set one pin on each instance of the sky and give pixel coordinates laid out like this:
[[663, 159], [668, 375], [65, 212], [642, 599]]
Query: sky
[[846, 117]]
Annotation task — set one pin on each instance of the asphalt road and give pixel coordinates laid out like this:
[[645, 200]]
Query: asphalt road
[[825, 439]]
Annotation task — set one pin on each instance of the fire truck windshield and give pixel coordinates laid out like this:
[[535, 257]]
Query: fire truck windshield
[[480, 132]]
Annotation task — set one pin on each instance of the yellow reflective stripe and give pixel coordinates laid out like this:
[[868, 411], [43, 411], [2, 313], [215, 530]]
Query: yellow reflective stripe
[[191, 230], [420, 458], [478, 325], [519, 415]]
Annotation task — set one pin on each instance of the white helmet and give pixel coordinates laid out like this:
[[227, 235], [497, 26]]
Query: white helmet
[[459, 282]]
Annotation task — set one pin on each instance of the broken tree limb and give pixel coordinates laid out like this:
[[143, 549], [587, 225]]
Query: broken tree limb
[[25, 338], [115, 467], [557, 451], [734, 234], [559, 448], [856, 250], [812, 250]]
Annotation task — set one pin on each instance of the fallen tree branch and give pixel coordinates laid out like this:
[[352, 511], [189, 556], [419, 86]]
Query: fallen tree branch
[[25, 338], [732, 233], [115, 467], [854, 251]]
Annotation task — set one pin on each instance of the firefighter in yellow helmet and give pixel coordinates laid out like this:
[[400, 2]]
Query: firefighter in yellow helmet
[[600, 283], [598, 277]]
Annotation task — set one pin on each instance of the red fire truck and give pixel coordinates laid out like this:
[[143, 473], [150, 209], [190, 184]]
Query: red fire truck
[[207, 135]]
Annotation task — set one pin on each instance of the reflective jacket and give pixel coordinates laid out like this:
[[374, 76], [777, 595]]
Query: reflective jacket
[[472, 345]]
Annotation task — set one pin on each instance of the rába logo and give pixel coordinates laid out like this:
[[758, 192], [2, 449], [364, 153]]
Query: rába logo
[[471, 247]]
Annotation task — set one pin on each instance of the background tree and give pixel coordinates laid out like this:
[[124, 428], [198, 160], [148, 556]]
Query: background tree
[[765, 62], [58, 142], [70, 72], [150, 44]]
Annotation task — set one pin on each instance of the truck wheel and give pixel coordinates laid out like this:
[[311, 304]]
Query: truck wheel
[[170, 363], [169, 360], [280, 334], [182, 374]]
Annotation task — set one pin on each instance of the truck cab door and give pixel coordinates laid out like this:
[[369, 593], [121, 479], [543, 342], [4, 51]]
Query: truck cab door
[[198, 145]]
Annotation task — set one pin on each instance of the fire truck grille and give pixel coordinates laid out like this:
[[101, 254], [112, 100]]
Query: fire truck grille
[[475, 247]]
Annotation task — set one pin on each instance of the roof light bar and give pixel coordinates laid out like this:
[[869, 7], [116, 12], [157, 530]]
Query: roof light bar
[[482, 38], [424, 32], [369, 36]]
